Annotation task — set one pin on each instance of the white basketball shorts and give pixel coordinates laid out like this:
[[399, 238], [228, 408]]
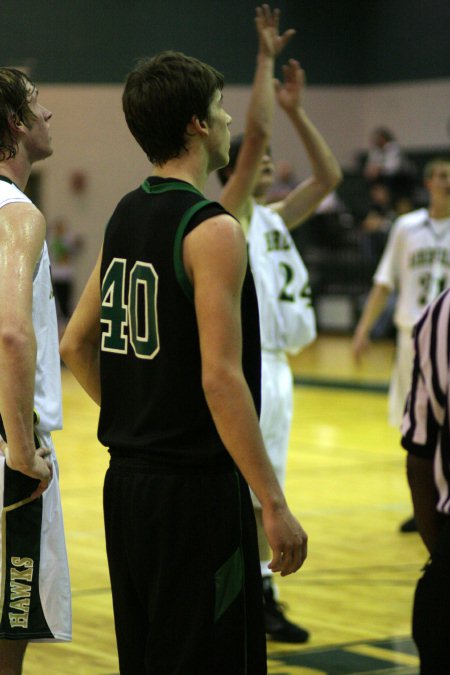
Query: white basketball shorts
[[35, 600]]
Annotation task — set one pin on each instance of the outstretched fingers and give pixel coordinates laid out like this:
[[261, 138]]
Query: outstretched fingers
[[286, 37], [268, 28], [293, 73]]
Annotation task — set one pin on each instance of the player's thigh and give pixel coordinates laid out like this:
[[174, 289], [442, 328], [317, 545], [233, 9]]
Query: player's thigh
[[276, 409]]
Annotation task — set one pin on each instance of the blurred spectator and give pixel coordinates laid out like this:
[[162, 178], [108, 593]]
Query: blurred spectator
[[375, 228], [376, 223], [63, 245], [403, 205], [387, 163], [380, 213], [374, 233]]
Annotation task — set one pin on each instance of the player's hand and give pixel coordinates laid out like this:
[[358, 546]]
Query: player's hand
[[360, 345], [271, 43], [289, 93], [40, 468], [287, 539], [44, 467]]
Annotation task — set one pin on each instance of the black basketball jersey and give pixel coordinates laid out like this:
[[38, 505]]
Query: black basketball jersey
[[152, 401]]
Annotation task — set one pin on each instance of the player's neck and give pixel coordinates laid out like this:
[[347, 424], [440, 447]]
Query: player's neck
[[245, 215], [16, 170], [260, 194], [440, 209], [189, 169]]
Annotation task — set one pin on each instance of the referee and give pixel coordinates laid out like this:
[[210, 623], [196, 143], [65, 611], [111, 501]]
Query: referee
[[426, 437]]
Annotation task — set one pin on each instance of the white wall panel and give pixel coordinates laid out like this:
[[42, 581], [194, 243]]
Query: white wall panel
[[90, 135]]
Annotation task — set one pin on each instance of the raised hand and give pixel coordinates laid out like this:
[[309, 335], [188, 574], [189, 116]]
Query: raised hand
[[267, 24], [289, 93]]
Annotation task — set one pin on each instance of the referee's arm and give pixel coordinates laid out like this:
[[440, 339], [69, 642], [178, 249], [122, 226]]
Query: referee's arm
[[421, 448], [424, 496]]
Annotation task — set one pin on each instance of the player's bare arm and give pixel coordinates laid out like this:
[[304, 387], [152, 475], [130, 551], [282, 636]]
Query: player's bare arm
[[80, 344], [326, 173], [259, 118], [375, 304], [22, 232], [215, 260]]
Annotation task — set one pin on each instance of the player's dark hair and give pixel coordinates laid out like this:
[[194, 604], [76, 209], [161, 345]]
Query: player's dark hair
[[161, 96], [225, 172], [15, 88]]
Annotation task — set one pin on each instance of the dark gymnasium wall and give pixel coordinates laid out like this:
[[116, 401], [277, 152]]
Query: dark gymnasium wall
[[343, 41]]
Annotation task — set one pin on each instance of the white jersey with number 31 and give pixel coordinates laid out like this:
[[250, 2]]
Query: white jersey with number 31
[[415, 263]]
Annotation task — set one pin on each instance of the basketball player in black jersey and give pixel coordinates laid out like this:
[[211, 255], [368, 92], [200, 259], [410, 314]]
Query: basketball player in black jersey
[[165, 339]]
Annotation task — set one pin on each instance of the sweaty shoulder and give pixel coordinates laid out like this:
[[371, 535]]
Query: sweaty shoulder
[[22, 230], [21, 213]]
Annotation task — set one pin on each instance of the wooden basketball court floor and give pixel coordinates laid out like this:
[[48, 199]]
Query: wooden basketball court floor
[[346, 482]]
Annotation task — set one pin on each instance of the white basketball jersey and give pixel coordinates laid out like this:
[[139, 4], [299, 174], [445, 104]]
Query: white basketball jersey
[[416, 262], [286, 315], [47, 391]]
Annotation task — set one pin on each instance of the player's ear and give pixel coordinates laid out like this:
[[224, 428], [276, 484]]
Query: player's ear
[[15, 123], [199, 126]]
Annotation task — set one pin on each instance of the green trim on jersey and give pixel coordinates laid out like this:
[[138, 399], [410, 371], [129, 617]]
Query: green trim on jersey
[[166, 187], [180, 272], [229, 578], [228, 581]]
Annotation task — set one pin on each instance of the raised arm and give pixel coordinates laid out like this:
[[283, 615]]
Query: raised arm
[[22, 233], [80, 345], [258, 127], [215, 260], [326, 173]]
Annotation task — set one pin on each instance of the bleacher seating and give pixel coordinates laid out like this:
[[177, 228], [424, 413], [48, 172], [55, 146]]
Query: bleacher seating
[[331, 244]]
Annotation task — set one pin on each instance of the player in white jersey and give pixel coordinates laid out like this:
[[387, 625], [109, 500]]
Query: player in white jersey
[[35, 591], [287, 320], [426, 437], [416, 264]]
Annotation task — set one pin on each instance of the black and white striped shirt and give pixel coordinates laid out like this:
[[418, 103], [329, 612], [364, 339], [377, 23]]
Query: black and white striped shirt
[[426, 423]]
